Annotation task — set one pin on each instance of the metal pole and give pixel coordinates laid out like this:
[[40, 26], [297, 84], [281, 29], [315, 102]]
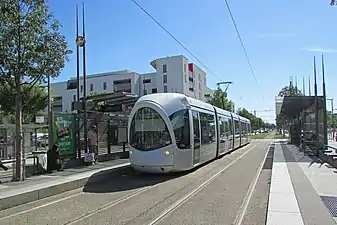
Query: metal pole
[[331, 125], [50, 117], [85, 88], [316, 108], [325, 127], [78, 116]]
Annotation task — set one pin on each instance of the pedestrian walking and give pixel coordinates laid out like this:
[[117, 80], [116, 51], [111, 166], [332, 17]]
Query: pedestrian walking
[[92, 142]]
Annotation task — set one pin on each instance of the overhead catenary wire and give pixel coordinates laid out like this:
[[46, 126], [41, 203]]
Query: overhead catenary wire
[[241, 42], [179, 42]]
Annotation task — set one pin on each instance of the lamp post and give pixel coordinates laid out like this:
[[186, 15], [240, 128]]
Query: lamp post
[[225, 92], [80, 42]]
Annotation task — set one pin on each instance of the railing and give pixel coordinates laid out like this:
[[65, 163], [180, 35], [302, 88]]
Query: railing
[[8, 161]]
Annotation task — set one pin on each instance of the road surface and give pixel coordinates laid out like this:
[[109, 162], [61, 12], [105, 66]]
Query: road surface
[[230, 190]]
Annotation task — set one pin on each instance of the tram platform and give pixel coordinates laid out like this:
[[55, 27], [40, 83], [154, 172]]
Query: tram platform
[[42, 186], [303, 188]]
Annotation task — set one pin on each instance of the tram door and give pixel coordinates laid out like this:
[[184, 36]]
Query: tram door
[[196, 137], [228, 135]]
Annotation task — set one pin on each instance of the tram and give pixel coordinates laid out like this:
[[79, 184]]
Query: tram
[[170, 132]]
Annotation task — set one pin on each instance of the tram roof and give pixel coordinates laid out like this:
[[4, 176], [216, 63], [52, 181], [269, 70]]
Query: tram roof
[[172, 102]]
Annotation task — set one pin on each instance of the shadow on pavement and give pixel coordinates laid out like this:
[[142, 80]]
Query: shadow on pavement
[[125, 179], [128, 179], [306, 156]]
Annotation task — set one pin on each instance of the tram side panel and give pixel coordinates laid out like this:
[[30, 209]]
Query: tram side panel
[[225, 134], [236, 132], [204, 126], [182, 139]]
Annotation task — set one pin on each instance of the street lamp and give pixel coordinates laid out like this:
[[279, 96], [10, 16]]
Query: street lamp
[[80, 43], [223, 97]]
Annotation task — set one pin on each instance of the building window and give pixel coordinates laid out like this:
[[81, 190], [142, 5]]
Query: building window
[[199, 77], [185, 68], [165, 89], [200, 86], [104, 86], [200, 95], [165, 79], [145, 92], [154, 90], [146, 81], [82, 88], [164, 68], [91, 87], [185, 78]]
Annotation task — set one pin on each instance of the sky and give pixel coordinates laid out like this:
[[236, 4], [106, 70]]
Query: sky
[[280, 37]]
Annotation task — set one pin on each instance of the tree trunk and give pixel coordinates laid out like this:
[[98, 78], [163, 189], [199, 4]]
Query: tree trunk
[[18, 128]]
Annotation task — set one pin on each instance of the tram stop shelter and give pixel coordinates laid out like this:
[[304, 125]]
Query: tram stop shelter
[[112, 102], [303, 116], [110, 112]]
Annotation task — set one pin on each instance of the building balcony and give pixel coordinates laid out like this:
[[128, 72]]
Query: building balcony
[[153, 64]]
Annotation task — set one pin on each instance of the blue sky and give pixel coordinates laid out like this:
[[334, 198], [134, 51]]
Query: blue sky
[[281, 38]]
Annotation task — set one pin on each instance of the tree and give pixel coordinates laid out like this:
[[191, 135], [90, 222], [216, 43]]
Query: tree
[[255, 122], [219, 99], [34, 99], [290, 91], [286, 91], [31, 49]]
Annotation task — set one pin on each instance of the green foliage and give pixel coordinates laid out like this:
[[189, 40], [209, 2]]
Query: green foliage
[[331, 120], [34, 99], [31, 44], [256, 122], [31, 49], [286, 91], [290, 91], [219, 99]]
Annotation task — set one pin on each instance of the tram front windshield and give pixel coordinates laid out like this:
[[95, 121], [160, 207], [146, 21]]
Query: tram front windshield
[[148, 130]]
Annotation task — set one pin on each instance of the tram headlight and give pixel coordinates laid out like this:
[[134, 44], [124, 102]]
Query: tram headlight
[[166, 152]]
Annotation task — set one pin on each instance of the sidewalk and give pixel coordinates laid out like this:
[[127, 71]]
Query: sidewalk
[[42, 186], [332, 144], [303, 189]]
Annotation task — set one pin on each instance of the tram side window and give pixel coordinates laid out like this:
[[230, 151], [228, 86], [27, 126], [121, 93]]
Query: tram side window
[[230, 126], [181, 127], [222, 130], [207, 128], [237, 127], [196, 130], [148, 130], [226, 126], [243, 128]]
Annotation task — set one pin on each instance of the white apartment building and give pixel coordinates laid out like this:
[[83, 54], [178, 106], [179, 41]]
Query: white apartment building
[[172, 74]]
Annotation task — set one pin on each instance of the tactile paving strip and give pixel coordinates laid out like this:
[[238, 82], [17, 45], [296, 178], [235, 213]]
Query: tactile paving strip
[[331, 203], [268, 164]]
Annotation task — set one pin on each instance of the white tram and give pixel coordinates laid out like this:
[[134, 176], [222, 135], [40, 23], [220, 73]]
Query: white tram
[[171, 132]]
